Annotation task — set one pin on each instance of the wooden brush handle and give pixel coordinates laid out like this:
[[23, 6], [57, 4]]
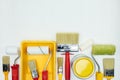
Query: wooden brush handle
[[6, 75], [60, 76], [109, 78], [67, 66]]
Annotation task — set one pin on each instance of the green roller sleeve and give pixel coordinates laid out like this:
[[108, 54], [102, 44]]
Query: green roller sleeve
[[103, 49]]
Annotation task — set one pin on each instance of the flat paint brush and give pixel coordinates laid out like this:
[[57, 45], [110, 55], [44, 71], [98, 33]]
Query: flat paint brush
[[108, 64], [33, 69], [6, 66], [67, 42]]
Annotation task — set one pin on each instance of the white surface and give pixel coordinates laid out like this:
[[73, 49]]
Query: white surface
[[41, 19]]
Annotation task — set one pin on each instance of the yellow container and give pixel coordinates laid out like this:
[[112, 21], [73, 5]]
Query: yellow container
[[83, 67], [41, 60]]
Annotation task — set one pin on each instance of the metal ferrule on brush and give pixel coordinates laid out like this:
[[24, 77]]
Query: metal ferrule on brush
[[33, 70], [6, 67], [67, 47], [60, 69], [109, 72], [34, 74]]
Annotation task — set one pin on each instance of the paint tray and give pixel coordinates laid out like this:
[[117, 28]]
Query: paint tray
[[40, 59]]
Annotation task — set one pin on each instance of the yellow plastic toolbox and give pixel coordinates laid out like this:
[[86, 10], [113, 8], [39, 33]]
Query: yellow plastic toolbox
[[40, 59]]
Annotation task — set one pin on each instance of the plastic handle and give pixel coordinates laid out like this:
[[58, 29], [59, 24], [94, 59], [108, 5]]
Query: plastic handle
[[15, 72], [67, 66], [99, 76], [45, 75], [35, 78], [60, 76], [6, 75], [109, 79]]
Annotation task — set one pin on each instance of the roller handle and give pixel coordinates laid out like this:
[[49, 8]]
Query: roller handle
[[15, 72], [35, 78], [67, 66], [45, 75], [99, 76]]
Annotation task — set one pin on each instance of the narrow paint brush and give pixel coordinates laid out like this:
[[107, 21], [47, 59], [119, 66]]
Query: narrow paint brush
[[6, 66], [60, 67], [32, 66]]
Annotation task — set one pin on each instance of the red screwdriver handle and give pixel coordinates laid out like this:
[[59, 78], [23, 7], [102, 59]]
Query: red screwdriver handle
[[15, 72], [67, 66]]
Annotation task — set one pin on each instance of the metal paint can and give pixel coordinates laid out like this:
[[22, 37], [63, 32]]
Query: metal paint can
[[83, 66]]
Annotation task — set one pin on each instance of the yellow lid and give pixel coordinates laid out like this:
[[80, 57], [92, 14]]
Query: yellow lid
[[83, 67]]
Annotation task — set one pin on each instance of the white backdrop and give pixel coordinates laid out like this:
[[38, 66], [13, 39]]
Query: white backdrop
[[41, 19]]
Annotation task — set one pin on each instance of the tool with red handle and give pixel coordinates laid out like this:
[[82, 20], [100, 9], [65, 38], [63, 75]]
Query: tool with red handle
[[15, 72], [35, 78], [67, 42], [45, 75], [13, 50], [15, 68], [45, 71], [67, 66]]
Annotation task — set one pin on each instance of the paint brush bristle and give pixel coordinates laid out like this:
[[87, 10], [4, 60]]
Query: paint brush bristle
[[67, 38], [108, 67], [32, 65], [60, 61], [60, 64], [33, 69]]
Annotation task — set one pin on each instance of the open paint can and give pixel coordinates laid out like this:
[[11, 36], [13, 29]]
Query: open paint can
[[83, 66]]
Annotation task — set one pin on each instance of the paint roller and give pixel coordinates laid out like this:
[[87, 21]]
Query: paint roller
[[13, 50], [102, 49]]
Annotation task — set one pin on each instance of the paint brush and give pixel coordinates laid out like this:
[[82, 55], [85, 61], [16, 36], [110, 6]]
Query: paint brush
[[33, 69], [108, 64], [60, 67], [67, 42], [6, 66]]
